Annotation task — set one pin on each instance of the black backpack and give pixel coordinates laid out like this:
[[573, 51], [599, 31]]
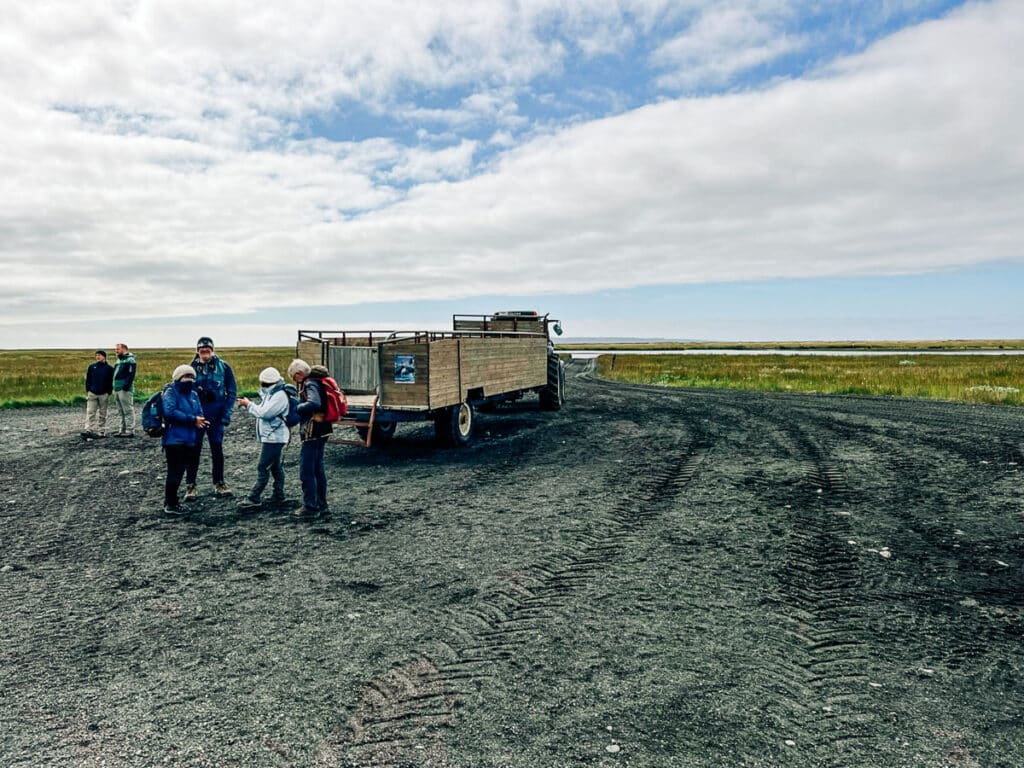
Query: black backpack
[[291, 416], [153, 414]]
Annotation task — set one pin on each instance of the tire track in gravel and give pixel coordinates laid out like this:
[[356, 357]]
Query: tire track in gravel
[[826, 591], [821, 697], [924, 627], [822, 694], [925, 422], [399, 716], [924, 623], [484, 462]]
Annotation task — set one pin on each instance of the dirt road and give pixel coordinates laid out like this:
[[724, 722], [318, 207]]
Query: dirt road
[[646, 578]]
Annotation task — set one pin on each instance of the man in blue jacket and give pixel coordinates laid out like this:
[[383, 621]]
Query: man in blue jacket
[[215, 385], [99, 383]]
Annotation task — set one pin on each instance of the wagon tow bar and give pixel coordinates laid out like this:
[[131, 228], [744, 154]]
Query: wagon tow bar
[[358, 424]]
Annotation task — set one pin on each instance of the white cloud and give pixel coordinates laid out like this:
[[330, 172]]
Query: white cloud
[[421, 166], [904, 158], [724, 40]]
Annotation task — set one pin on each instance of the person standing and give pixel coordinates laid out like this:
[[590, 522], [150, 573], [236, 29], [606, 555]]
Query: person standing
[[99, 383], [215, 383], [183, 416], [314, 431], [272, 433], [124, 389]]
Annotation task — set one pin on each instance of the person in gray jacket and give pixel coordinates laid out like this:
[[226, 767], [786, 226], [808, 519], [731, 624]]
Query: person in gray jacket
[[124, 389], [273, 435]]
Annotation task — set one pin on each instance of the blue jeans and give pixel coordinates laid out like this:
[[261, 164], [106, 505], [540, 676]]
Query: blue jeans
[[312, 474], [271, 463], [215, 434]]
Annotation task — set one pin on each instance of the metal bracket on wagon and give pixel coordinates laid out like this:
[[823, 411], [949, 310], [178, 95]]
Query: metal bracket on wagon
[[363, 428]]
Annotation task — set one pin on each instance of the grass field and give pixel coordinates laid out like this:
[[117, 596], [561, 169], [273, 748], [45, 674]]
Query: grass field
[[57, 376], [966, 378]]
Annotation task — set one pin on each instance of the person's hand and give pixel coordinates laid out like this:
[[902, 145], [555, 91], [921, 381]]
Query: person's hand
[[244, 402], [201, 422]]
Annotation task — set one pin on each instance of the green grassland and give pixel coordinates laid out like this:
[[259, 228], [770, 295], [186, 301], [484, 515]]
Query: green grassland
[[965, 378], [57, 376]]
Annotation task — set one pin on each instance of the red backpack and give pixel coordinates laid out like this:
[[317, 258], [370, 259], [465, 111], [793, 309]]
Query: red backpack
[[335, 403]]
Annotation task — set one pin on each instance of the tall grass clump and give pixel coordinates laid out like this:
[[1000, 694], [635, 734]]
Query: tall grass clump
[[57, 376], [965, 378]]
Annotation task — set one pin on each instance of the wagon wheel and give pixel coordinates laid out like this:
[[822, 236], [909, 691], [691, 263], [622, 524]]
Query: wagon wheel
[[383, 431], [454, 426]]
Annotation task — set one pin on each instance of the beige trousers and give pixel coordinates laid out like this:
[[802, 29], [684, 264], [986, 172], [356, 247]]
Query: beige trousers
[[96, 412]]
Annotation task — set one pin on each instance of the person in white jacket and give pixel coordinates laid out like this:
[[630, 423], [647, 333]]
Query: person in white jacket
[[273, 434]]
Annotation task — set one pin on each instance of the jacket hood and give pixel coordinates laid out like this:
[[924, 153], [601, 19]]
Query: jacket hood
[[318, 372]]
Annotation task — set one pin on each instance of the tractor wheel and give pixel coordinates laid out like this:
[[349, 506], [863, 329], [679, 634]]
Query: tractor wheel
[[553, 394]]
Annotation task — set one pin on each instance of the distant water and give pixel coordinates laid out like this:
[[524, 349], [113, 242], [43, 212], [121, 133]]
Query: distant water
[[589, 353]]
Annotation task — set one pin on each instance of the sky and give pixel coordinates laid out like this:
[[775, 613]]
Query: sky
[[687, 169]]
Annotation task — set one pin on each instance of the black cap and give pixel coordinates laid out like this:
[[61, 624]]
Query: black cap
[[100, 352], [204, 341]]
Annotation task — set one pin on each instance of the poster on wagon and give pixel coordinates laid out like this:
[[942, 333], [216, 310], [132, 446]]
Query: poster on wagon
[[405, 369]]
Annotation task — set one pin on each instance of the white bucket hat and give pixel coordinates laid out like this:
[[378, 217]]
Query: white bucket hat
[[270, 376], [182, 371]]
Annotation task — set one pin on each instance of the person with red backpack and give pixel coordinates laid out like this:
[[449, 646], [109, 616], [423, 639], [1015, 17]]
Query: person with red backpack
[[314, 429]]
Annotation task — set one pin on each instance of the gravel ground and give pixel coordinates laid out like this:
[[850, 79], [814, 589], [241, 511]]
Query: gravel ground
[[645, 578]]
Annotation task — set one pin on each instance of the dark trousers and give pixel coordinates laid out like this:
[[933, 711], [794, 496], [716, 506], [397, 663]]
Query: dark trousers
[[215, 434], [179, 459], [312, 474], [271, 463]]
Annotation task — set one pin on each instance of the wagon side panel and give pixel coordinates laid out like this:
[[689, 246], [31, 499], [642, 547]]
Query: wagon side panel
[[498, 365], [445, 379]]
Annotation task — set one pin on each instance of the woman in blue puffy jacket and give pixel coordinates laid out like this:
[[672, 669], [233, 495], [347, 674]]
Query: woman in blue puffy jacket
[[183, 417]]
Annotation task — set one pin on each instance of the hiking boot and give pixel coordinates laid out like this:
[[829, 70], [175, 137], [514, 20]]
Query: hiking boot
[[221, 489], [248, 503], [173, 510], [191, 494], [125, 434], [304, 511]]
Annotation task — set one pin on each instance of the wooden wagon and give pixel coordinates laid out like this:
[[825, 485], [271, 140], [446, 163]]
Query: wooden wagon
[[443, 376]]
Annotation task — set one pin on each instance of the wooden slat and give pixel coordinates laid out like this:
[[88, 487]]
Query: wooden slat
[[310, 351], [444, 373]]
